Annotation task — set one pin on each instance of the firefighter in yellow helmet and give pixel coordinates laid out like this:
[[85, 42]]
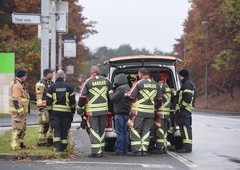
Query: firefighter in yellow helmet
[[45, 134], [18, 108]]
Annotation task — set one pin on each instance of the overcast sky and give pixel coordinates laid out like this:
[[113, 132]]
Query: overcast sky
[[139, 23]]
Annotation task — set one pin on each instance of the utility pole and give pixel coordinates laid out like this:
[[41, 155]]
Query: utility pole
[[184, 48], [206, 66], [206, 72]]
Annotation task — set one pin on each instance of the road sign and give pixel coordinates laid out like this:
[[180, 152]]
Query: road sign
[[22, 18]]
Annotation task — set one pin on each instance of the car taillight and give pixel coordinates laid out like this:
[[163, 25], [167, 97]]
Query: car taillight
[[177, 127], [109, 120]]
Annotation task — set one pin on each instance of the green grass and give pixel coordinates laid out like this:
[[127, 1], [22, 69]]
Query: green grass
[[4, 115], [30, 140]]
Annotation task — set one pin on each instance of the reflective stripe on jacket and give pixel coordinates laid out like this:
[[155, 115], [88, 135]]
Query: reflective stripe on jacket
[[144, 93], [95, 89], [186, 96], [166, 92], [61, 97], [41, 91]]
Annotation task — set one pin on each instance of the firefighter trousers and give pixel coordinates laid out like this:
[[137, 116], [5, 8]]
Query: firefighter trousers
[[45, 132], [184, 119], [96, 126], [18, 130], [140, 132], [161, 134], [61, 123]]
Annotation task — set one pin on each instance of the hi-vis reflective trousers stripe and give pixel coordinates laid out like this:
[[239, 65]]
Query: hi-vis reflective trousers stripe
[[15, 144], [100, 144], [56, 139], [97, 125], [161, 134], [139, 133], [186, 139]]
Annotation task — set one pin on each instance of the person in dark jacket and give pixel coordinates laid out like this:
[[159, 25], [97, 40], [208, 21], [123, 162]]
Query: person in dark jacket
[[122, 107], [186, 97], [61, 107]]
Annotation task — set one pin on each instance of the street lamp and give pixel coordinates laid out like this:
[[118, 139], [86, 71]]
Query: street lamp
[[206, 66]]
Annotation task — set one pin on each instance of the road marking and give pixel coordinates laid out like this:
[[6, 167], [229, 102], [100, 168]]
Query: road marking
[[110, 163], [182, 159], [222, 128]]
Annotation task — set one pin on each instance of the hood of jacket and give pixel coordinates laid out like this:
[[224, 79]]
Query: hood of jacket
[[120, 80]]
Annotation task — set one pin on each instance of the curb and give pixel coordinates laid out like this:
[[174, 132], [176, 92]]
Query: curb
[[12, 157]]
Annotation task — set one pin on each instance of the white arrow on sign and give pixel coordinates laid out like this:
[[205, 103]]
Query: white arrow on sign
[[24, 18]]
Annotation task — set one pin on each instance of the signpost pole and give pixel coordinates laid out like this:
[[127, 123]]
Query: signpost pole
[[60, 49], [45, 4]]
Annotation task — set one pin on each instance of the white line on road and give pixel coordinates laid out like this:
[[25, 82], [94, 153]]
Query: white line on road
[[110, 163], [182, 159]]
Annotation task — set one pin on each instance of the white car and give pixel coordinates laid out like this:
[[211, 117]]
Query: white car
[[129, 65]]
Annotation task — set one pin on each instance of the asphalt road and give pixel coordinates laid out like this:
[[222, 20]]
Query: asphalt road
[[215, 146]]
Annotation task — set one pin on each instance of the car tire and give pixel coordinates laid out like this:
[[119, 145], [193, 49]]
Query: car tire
[[178, 143], [171, 139], [110, 144]]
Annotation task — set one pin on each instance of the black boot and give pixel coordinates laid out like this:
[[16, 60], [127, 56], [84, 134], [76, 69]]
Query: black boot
[[22, 146], [57, 146], [50, 141], [64, 148], [187, 148]]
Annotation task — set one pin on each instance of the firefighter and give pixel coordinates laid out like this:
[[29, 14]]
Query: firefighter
[[144, 93], [61, 107], [94, 97], [186, 97], [45, 136], [162, 117], [18, 108]]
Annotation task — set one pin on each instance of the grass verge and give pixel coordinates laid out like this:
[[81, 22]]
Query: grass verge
[[30, 140], [4, 115]]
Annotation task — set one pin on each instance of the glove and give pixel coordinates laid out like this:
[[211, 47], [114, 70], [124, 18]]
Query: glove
[[182, 108], [41, 109], [73, 110], [83, 122], [177, 112], [71, 118], [80, 110]]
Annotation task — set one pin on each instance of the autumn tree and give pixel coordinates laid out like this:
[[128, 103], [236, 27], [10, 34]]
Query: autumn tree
[[22, 39], [211, 36]]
